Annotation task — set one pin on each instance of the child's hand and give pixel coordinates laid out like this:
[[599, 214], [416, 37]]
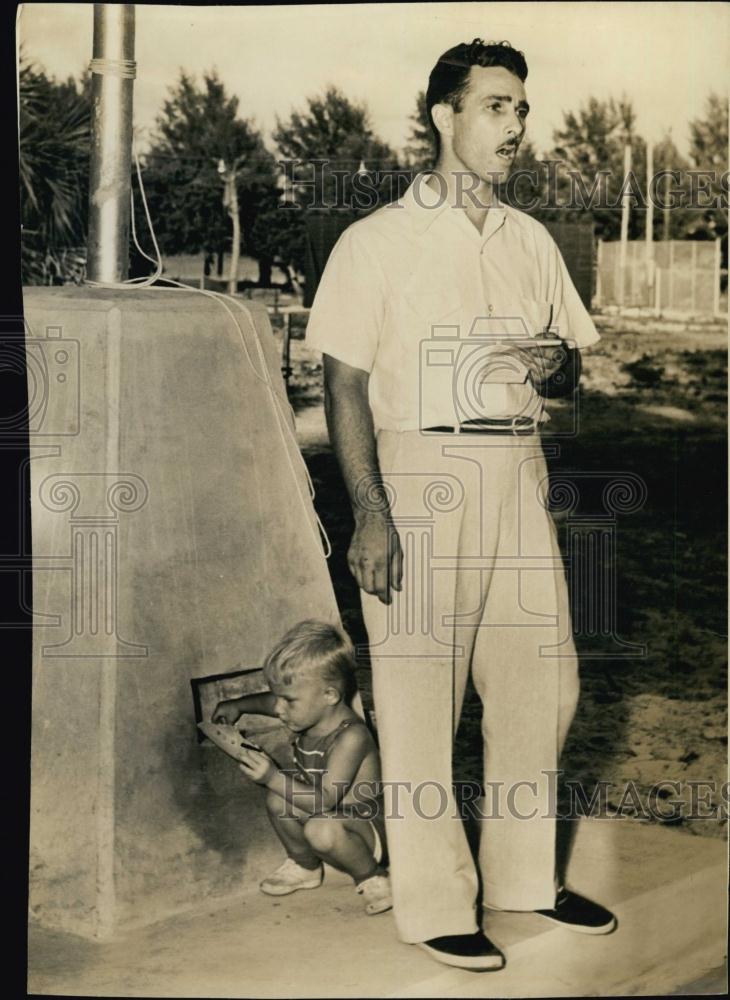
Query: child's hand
[[257, 765], [227, 712]]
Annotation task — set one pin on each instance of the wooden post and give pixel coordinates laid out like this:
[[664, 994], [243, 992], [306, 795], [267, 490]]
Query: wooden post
[[716, 284], [649, 235], [286, 353], [665, 227], [694, 275], [631, 259], [624, 224], [230, 202], [236, 239]]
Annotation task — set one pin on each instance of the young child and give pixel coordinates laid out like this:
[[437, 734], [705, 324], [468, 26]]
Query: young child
[[327, 808]]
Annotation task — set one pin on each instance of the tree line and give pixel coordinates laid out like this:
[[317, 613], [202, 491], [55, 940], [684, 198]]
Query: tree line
[[200, 133]]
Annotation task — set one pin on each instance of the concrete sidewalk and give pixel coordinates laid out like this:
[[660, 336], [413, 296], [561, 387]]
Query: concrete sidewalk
[[667, 889]]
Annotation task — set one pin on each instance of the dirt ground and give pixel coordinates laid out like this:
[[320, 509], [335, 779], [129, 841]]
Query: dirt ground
[[653, 403]]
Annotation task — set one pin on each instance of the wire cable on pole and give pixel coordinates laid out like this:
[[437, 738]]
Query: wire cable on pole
[[284, 421], [125, 68]]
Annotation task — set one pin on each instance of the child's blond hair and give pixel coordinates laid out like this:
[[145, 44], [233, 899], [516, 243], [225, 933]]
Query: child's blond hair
[[314, 648]]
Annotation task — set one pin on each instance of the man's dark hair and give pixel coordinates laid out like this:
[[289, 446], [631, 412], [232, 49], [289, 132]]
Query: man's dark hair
[[450, 76]]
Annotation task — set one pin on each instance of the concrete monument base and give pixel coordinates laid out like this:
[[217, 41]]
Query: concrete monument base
[[173, 538]]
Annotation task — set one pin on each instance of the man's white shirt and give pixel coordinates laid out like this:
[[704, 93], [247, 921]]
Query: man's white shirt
[[417, 297]]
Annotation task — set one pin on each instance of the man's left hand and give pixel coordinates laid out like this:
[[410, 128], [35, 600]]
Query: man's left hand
[[554, 371], [544, 361]]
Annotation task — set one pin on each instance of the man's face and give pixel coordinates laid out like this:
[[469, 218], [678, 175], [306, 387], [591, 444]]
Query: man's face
[[488, 129]]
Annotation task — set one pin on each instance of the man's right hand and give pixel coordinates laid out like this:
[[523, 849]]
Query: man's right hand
[[375, 556], [227, 712]]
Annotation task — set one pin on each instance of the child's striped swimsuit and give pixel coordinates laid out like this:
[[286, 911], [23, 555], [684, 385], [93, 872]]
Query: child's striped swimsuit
[[312, 764]]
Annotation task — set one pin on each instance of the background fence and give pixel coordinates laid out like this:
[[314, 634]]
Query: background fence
[[323, 229], [577, 244], [684, 276]]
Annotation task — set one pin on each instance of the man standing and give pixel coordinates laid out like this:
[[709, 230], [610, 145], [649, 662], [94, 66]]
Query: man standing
[[435, 316]]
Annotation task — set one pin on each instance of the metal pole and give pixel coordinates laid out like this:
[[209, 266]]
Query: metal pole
[[112, 88], [624, 224]]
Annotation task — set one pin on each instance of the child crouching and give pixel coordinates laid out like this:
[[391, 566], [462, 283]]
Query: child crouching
[[326, 808]]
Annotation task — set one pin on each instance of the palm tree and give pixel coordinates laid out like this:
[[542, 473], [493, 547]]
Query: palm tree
[[54, 131]]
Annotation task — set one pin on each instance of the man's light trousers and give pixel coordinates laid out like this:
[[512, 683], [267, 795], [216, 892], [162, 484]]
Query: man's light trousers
[[483, 590]]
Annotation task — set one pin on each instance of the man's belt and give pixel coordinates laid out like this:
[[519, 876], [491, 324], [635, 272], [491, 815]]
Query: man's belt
[[488, 425]]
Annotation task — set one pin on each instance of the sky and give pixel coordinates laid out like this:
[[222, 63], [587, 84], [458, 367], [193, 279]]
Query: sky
[[666, 57]]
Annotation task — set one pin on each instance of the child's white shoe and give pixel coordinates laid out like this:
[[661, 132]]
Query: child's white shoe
[[376, 891], [289, 877]]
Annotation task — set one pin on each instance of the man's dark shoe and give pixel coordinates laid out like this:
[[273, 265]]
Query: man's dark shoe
[[576, 913], [465, 951]]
